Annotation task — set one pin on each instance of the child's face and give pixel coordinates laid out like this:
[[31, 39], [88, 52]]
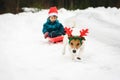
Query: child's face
[[53, 18]]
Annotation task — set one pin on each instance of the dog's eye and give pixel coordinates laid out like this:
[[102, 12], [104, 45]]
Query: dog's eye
[[78, 44], [71, 43]]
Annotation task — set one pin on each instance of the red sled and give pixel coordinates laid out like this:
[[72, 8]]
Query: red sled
[[56, 39]]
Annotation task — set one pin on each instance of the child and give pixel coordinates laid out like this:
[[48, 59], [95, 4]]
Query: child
[[52, 28]]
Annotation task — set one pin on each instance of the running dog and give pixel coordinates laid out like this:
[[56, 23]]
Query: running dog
[[75, 43]]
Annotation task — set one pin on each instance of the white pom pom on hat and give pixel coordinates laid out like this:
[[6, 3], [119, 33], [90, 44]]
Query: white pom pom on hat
[[53, 12]]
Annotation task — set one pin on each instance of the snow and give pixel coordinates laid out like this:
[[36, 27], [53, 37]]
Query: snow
[[26, 55]]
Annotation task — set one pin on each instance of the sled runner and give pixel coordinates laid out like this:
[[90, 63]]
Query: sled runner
[[56, 39]]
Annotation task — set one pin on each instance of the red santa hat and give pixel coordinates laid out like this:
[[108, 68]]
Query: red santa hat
[[53, 11]]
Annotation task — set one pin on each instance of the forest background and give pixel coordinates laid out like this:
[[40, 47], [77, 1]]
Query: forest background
[[15, 6]]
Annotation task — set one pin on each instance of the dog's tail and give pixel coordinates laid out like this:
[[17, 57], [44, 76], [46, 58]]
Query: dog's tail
[[74, 24], [70, 22]]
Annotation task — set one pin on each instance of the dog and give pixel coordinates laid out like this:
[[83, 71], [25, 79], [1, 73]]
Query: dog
[[75, 43]]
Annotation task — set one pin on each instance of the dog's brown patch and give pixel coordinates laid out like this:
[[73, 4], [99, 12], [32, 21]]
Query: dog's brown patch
[[75, 44]]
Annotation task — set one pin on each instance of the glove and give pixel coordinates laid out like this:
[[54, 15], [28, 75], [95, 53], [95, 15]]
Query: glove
[[46, 35]]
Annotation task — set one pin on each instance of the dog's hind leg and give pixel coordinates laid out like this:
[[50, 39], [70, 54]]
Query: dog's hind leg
[[64, 48], [65, 41]]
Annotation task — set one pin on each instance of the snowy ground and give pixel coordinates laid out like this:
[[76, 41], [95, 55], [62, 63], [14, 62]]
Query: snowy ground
[[26, 55]]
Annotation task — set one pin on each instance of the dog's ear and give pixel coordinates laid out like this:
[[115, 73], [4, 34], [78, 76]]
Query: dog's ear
[[83, 38], [69, 37]]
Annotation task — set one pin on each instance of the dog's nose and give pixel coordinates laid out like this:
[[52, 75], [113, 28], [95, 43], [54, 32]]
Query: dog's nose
[[74, 51]]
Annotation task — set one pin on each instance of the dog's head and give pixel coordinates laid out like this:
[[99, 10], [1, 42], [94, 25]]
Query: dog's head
[[76, 42]]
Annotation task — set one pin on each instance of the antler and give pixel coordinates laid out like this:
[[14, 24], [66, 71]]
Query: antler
[[83, 32], [68, 31]]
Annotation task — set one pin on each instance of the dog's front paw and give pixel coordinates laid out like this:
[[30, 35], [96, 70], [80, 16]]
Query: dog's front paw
[[63, 53], [78, 58]]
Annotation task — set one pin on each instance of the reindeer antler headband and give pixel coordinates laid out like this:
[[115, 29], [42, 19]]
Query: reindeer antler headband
[[68, 31], [83, 33]]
